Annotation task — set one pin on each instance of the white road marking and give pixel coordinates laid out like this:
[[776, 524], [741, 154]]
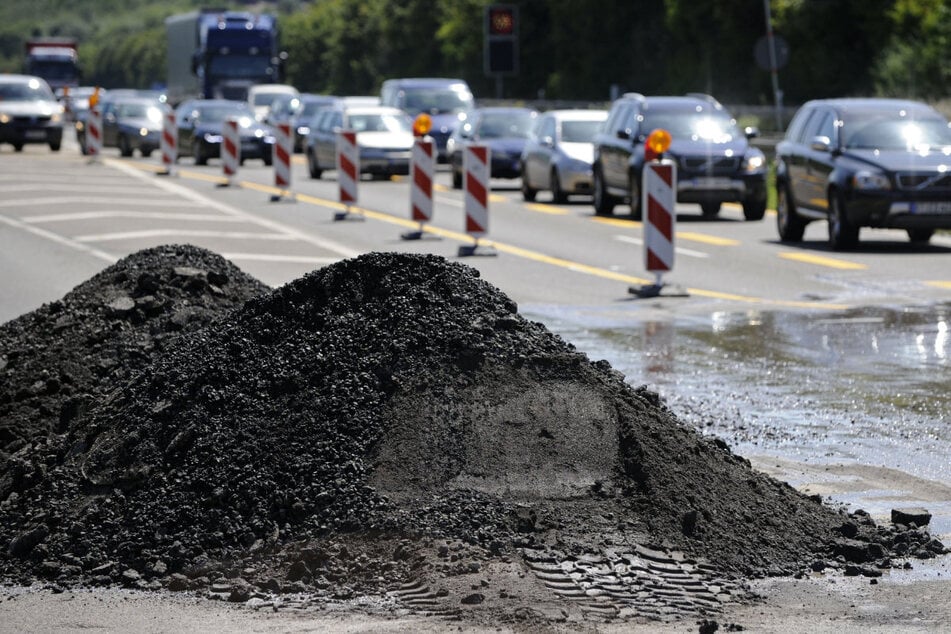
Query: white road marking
[[265, 257], [159, 233], [184, 192], [68, 201], [153, 215], [680, 250], [49, 235], [73, 187]]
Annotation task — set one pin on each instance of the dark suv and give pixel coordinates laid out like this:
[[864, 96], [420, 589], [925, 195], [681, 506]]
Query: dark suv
[[864, 163], [715, 162]]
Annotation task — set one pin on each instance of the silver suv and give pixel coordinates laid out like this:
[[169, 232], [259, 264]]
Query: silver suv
[[29, 112]]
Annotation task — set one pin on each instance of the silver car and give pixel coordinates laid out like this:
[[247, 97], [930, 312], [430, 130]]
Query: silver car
[[559, 155]]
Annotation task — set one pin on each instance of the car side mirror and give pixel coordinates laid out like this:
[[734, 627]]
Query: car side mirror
[[751, 132], [547, 141], [624, 135], [821, 143]]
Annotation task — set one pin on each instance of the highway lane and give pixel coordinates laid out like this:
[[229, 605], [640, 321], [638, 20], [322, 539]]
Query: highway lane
[[52, 205]]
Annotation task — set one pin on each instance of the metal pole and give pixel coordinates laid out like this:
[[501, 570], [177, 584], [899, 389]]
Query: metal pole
[[771, 42]]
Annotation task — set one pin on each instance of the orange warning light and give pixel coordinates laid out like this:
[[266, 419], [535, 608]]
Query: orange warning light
[[422, 124], [94, 97], [657, 143]]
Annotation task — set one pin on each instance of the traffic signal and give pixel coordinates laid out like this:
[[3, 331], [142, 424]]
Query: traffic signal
[[501, 39]]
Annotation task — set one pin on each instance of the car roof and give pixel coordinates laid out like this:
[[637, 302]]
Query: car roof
[[578, 114], [362, 109], [857, 104], [18, 79], [425, 81]]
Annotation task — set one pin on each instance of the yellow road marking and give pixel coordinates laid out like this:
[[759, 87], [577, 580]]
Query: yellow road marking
[[820, 260], [618, 222], [939, 284], [690, 236], [546, 209], [527, 254]]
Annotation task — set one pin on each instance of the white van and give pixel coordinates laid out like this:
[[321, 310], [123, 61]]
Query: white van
[[261, 96]]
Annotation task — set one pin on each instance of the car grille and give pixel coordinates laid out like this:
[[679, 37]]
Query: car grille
[[710, 164], [924, 181], [31, 120]]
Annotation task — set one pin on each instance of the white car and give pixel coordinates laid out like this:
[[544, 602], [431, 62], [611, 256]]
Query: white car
[[261, 96], [559, 155], [384, 138], [29, 112]]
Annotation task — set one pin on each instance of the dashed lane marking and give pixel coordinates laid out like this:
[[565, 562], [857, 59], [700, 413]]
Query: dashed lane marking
[[71, 201], [151, 215], [820, 260], [689, 236], [546, 209], [185, 233], [267, 257], [679, 250], [940, 283], [49, 235]]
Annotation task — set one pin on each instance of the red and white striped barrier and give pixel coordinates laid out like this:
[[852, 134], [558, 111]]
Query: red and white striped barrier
[[659, 196], [94, 133], [476, 167], [168, 144], [422, 169], [348, 170], [282, 152], [230, 148]]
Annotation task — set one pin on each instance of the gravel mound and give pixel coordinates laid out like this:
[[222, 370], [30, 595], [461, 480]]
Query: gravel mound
[[325, 436]]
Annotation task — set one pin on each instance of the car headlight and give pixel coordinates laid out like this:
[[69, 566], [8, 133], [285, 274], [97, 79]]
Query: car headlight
[[5, 118], [213, 138], [56, 117], [755, 162], [866, 179]]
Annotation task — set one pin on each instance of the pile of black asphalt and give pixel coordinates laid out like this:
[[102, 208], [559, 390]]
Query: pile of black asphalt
[[173, 424]]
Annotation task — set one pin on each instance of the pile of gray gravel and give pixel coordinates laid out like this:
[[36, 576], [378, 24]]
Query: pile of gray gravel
[[319, 437]]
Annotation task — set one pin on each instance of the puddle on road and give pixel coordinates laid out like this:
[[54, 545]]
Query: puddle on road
[[869, 385]]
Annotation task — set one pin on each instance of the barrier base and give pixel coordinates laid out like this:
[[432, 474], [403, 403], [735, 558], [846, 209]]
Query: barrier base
[[476, 249], [419, 235], [346, 215], [658, 290], [288, 196]]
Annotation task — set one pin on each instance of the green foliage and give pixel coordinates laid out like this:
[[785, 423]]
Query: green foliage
[[569, 49]]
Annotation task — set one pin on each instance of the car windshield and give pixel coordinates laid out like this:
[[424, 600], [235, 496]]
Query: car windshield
[[579, 131], [379, 123], [139, 111], [506, 125], [887, 132], [267, 98], [690, 124], [217, 114], [31, 90], [437, 101]]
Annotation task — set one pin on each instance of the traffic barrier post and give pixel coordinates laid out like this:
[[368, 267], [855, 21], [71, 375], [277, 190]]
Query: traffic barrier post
[[422, 169], [230, 150], [658, 202], [476, 167], [168, 144], [283, 150], [94, 134], [348, 171]]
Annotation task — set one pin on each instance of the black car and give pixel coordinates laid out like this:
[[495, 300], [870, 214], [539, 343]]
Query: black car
[[504, 130], [864, 163], [715, 161], [201, 124], [132, 123]]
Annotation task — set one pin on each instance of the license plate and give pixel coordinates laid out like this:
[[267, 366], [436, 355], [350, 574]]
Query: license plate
[[712, 183], [932, 207], [35, 134]]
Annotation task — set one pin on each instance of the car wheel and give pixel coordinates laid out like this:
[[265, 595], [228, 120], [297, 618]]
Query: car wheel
[[842, 234], [603, 202], [124, 148], [635, 192], [83, 149], [790, 225], [558, 195], [456, 179], [17, 147], [920, 236], [56, 146], [754, 209], [198, 151], [268, 158], [710, 210], [146, 152], [312, 167], [528, 192]]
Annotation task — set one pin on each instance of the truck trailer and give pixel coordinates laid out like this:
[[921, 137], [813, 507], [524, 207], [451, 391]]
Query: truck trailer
[[55, 59], [218, 54]]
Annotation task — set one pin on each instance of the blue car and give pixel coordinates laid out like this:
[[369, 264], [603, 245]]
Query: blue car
[[505, 131], [200, 125]]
